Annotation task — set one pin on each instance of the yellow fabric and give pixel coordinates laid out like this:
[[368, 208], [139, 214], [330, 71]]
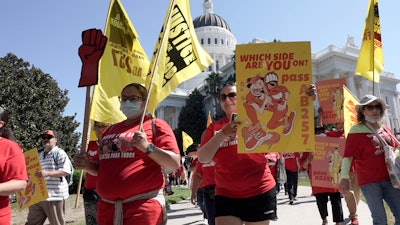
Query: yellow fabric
[[124, 61], [349, 110], [186, 141], [209, 119], [178, 55], [370, 59]]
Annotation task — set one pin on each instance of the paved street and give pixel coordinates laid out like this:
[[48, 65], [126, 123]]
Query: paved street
[[303, 212]]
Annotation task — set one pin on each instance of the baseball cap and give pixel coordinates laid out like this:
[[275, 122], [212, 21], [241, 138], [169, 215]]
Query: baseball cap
[[48, 132]]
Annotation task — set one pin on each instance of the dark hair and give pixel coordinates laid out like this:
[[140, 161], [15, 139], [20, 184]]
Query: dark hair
[[142, 90], [227, 84], [5, 131]]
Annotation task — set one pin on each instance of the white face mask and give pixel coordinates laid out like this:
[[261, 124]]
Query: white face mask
[[131, 109], [372, 120]]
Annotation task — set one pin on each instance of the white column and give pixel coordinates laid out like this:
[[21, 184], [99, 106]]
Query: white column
[[161, 112], [336, 73], [350, 82]]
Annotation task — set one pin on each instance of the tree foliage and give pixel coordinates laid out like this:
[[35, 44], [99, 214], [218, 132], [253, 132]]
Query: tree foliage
[[214, 83], [192, 118], [35, 103]]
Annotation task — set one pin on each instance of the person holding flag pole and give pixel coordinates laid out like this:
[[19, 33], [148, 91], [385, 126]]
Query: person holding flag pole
[[129, 173]]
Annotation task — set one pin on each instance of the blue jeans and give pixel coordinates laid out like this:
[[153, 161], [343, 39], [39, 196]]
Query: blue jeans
[[200, 201], [375, 193]]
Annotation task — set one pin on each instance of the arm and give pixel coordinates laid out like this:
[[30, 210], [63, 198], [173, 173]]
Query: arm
[[195, 186], [207, 151], [344, 185], [165, 146], [82, 161], [51, 173], [12, 186]]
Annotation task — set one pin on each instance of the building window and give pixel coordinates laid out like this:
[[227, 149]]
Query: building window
[[222, 41], [209, 41], [202, 41], [217, 65], [215, 41]]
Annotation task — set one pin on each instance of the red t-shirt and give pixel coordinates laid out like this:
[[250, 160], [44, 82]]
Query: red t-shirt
[[125, 171], [207, 172], [367, 153], [273, 158], [12, 166], [238, 175], [92, 152], [291, 160]]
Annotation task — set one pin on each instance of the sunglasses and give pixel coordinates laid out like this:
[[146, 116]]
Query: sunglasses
[[231, 96], [46, 137], [371, 107]]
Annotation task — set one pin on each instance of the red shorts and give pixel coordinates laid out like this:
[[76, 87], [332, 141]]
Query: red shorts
[[144, 211]]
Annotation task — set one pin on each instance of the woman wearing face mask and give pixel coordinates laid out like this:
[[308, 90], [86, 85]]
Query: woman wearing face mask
[[364, 148], [130, 181]]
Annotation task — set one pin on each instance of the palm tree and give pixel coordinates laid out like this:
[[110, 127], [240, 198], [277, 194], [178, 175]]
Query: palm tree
[[214, 83]]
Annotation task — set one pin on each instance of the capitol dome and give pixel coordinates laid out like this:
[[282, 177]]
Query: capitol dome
[[210, 19]]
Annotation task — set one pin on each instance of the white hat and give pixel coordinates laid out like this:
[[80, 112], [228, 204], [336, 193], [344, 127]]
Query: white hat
[[365, 100]]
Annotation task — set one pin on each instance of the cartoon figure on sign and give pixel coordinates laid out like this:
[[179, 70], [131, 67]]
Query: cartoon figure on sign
[[338, 100], [29, 191], [335, 163], [256, 101], [279, 104]]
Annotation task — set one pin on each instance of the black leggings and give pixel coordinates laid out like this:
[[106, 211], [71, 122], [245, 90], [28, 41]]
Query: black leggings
[[336, 202]]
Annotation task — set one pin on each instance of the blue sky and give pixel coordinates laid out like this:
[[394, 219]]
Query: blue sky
[[47, 33]]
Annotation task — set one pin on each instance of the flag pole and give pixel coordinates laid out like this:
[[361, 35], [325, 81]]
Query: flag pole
[[156, 64], [85, 138]]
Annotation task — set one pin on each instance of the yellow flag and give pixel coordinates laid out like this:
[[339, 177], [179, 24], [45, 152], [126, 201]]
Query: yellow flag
[[209, 120], [186, 141], [124, 61], [178, 55], [370, 59], [349, 110]]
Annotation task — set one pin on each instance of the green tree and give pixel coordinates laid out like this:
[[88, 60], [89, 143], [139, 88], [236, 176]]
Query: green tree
[[35, 103], [192, 118]]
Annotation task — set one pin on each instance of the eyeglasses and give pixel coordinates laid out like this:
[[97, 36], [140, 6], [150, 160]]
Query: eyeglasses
[[371, 107], [231, 96], [46, 137], [132, 98]]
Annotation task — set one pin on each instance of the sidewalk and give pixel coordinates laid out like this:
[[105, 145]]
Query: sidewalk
[[303, 212]]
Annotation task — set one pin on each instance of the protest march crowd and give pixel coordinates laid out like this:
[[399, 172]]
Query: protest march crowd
[[239, 164]]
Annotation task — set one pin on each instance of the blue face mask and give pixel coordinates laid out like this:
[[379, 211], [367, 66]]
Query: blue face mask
[[131, 109]]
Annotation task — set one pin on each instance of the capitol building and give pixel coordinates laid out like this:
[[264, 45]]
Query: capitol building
[[215, 35]]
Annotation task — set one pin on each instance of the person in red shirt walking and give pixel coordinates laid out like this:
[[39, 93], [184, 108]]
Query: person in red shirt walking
[[90, 197], [292, 174]]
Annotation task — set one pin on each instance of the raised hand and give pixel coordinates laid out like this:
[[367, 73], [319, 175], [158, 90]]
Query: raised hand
[[90, 52]]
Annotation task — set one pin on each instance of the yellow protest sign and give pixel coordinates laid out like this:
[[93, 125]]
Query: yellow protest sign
[[275, 111], [36, 190]]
